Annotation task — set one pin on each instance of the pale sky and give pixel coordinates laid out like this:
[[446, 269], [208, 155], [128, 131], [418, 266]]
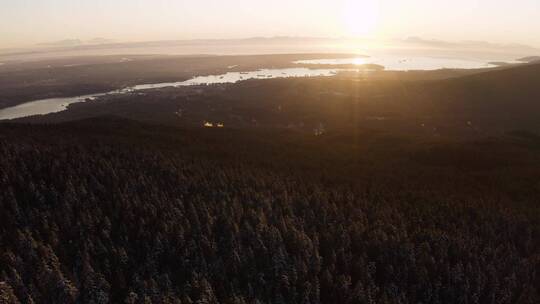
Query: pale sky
[[26, 22]]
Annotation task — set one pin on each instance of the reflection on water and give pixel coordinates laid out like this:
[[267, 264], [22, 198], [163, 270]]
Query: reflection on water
[[390, 62], [401, 63], [54, 105], [43, 106], [233, 77]]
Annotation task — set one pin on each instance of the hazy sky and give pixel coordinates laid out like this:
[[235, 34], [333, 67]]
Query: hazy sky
[[25, 22]]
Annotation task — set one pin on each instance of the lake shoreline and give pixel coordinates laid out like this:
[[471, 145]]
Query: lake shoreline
[[325, 67]]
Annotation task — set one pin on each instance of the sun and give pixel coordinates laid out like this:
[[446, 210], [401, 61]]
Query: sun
[[359, 61], [360, 17]]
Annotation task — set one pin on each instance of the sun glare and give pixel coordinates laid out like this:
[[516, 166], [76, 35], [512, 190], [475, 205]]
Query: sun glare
[[359, 61], [360, 17]]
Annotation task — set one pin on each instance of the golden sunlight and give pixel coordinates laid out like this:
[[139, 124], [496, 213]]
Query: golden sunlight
[[360, 17], [359, 61]]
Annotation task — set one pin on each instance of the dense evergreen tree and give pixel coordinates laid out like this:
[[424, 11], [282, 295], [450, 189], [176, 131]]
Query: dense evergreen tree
[[142, 214]]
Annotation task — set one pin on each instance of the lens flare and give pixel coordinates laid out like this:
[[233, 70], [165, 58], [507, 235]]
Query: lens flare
[[360, 17]]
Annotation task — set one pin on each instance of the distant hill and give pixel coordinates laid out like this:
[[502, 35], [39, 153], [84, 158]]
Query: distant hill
[[530, 59], [506, 98], [467, 44], [269, 45], [64, 43], [76, 42]]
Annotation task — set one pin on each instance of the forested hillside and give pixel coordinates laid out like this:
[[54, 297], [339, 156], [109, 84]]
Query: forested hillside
[[109, 211]]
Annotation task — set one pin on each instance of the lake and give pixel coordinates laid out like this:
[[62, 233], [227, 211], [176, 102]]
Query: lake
[[390, 62], [54, 105], [404, 63]]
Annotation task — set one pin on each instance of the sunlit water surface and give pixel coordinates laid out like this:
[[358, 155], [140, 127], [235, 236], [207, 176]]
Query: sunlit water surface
[[389, 62], [54, 105], [402, 63]]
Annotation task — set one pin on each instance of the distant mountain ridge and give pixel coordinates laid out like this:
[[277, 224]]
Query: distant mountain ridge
[[529, 59], [271, 45], [293, 39], [76, 42]]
